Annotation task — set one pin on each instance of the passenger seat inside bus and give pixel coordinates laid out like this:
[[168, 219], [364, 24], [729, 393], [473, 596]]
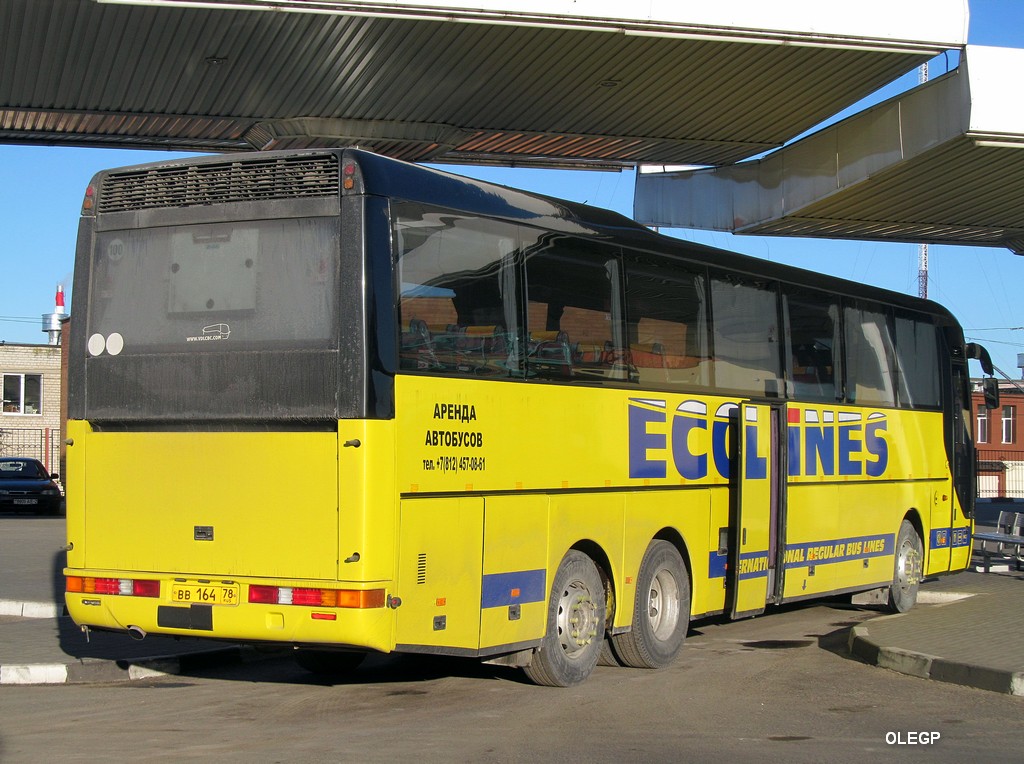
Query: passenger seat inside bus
[[417, 347], [550, 351]]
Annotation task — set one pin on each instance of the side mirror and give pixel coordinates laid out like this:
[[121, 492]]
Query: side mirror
[[980, 354], [54, 476], [990, 388]]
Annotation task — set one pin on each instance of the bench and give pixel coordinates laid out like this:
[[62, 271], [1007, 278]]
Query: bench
[[1005, 542]]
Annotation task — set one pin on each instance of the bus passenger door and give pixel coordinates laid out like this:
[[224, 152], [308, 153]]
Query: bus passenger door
[[754, 573], [955, 508]]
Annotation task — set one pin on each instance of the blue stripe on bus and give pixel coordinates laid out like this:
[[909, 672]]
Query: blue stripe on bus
[[754, 565], [718, 563], [955, 537], [839, 550], [813, 553], [499, 589]]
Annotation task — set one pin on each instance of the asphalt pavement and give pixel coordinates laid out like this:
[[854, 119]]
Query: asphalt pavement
[[966, 628]]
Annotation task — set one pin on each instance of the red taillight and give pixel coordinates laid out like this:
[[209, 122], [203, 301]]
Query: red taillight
[[146, 588], [118, 586], [266, 595], [347, 598], [107, 586], [306, 597]]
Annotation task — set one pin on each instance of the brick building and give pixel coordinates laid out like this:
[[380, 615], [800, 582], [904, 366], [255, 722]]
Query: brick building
[[1000, 443], [32, 415]]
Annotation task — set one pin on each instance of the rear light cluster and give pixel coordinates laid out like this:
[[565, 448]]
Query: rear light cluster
[[131, 587], [349, 176], [287, 595], [266, 595]]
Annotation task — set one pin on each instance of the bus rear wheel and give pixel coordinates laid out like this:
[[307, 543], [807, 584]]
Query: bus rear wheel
[[909, 567], [661, 615], [575, 625]]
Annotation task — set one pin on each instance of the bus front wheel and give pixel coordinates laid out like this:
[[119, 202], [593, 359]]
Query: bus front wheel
[[575, 625], [909, 569], [661, 614]]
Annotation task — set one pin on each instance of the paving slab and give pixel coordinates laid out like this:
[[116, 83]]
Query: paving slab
[[976, 639]]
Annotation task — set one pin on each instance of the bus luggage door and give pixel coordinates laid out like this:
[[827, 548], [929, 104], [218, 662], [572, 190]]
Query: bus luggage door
[[755, 575]]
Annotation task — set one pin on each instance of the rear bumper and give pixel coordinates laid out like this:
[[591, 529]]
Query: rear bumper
[[370, 628]]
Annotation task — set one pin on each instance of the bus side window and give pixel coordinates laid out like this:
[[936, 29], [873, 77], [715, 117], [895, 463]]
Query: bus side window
[[746, 336], [916, 361], [869, 357], [458, 311], [666, 312], [812, 335], [573, 305]]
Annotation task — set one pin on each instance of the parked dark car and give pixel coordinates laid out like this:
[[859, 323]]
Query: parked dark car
[[26, 486]]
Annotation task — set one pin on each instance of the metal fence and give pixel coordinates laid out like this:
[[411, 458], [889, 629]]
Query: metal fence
[[1000, 474], [42, 444]]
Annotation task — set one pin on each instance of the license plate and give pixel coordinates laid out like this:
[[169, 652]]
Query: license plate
[[205, 594], [25, 502]]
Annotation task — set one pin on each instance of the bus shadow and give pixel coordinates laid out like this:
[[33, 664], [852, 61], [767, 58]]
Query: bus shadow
[[378, 669], [390, 669]]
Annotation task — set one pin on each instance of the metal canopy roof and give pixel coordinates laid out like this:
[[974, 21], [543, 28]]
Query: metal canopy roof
[[558, 82], [943, 163]]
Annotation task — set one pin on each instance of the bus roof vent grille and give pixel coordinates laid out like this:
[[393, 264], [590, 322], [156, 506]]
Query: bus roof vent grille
[[308, 175]]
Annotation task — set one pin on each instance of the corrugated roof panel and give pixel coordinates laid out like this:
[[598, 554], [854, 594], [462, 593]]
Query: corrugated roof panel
[[619, 98], [959, 183], [928, 166]]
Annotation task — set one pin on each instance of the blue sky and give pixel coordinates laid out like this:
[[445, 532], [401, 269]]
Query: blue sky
[[41, 191]]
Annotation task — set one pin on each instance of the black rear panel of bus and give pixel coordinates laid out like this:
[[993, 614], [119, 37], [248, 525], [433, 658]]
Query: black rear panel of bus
[[219, 291]]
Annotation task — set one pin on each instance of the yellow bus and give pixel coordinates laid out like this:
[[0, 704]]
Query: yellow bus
[[340, 402]]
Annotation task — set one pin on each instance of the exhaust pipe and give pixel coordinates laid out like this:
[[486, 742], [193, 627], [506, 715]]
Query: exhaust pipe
[[136, 633]]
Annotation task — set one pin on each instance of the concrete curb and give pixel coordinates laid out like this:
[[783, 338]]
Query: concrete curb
[[934, 667], [26, 609], [100, 670]]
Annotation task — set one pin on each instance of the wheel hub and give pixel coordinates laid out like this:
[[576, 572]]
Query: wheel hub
[[577, 618], [662, 604], [910, 566]]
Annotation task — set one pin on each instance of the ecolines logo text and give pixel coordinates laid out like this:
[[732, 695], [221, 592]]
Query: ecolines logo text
[[693, 439]]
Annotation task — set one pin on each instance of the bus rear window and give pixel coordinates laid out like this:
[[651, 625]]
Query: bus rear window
[[222, 286]]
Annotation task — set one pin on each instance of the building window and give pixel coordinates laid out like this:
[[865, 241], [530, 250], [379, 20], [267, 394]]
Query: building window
[[23, 394], [982, 433], [1009, 424]]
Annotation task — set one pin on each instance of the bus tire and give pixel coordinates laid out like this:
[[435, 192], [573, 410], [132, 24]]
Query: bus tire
[[661, 614], [608, 656], [908, 569], [575, 625], [328, 662]]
